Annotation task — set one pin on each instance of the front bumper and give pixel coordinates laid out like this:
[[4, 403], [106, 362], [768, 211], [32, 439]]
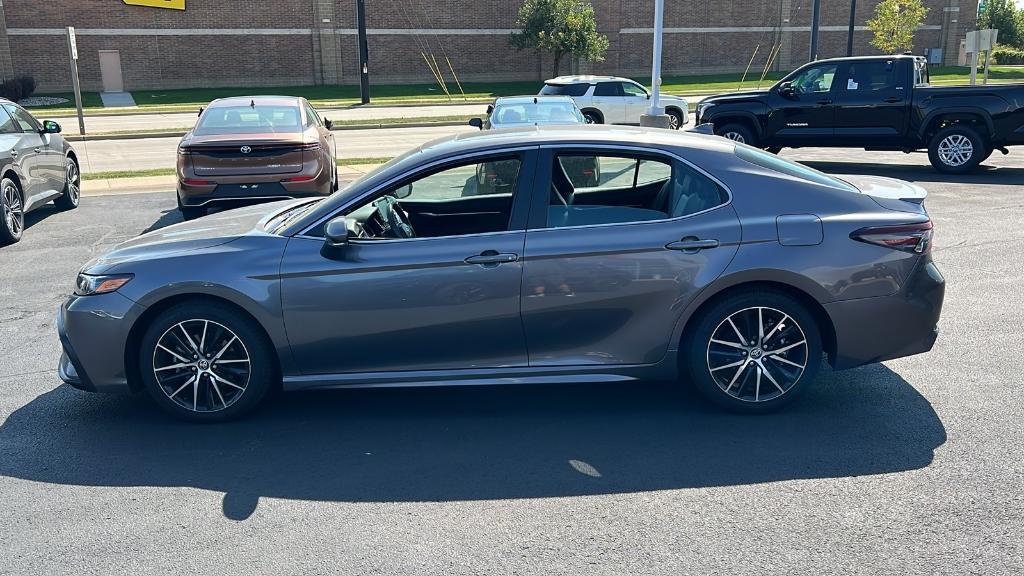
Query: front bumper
[[93, 333], [874, 329]]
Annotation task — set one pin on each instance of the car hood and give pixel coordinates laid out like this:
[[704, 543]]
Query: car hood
[[662, 98], [734, 96], [208, 232]]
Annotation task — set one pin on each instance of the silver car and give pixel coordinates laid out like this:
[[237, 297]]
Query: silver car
[[692, 258], [37, 166], [519, 111]]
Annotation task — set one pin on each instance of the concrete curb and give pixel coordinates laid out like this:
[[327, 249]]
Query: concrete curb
[[180, 133]]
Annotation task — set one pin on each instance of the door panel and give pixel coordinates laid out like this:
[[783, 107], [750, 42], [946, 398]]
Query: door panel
[[404, 304], [809, 113], [29, 153], [609, 99], [873, 101], [612, 294]]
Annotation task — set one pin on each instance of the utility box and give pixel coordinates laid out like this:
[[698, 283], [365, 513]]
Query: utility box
[[933, 55]]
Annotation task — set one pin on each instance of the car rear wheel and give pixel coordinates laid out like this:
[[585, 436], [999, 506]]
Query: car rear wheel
[[205, 362], [956, 149], [72, 187], [738, 133], [753, 352], [12, 209], [675, 119], [592, 117]]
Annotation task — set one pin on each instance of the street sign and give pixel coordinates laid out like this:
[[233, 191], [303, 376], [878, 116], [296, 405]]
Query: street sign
[[75, 84], [74, 42], [979, 41]]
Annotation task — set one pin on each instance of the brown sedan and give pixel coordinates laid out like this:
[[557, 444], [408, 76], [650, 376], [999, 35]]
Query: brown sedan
[[255, 148]]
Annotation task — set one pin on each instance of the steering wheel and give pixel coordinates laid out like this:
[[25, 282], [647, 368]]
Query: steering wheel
[[396, 218]]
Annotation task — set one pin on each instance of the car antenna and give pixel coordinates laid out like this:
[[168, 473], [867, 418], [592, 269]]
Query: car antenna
[[252, 103], [534, 99]]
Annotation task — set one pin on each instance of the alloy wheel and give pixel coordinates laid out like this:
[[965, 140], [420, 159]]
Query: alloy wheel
[[757, 354], [735, 136], [14, 212], [673, 121], [201, 365], [956, 150], [74, 183]]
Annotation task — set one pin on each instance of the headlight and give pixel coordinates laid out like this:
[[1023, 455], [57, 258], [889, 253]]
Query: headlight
[[702, 108], [88, 285]]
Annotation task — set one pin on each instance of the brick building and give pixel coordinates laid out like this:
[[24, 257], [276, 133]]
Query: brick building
[[292, 42]]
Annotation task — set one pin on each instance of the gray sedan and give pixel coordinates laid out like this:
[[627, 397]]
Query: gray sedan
[[691, 258], [37, 165]]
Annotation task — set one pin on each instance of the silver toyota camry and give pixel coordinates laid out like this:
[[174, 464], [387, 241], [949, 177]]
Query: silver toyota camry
[[689, 258]]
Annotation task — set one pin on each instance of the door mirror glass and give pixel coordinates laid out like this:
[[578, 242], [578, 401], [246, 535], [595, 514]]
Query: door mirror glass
[[403, 192], [328, 124], [51, 127], [337, 232], [476, 123]]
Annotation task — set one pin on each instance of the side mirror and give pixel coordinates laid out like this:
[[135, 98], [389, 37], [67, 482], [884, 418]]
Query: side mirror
[[337, 232], [786, 89], [328, 124], [201, 110], [476, 123], [51, 127]]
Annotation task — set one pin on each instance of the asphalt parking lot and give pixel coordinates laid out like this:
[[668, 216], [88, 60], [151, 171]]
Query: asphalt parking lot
[[912, 466]]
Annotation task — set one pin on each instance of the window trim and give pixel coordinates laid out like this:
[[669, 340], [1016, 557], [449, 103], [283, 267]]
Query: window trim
[[7, 108], [554, 148], [523, 151]]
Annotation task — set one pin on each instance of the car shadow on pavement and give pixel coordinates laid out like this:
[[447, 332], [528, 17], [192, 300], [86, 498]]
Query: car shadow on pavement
[[442, 444], [167, 217], [984, 174]]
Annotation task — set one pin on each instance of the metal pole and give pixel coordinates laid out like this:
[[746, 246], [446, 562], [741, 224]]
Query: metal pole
[[659, 25], [364, 70], [815, 22], [853, 22], [75, 83]]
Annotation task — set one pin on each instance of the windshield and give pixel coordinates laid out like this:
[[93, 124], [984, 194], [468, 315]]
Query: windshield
[[249, 120], [564, 89], [773, 162], [541, 112]]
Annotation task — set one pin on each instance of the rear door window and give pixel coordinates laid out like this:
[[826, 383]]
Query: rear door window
[[7, 125], [608, 89], [23, 119]]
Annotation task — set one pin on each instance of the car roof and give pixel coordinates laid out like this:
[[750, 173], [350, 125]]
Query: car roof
[[533, 99], [872, 58], [582, 134], [585, 79], [259, 100]]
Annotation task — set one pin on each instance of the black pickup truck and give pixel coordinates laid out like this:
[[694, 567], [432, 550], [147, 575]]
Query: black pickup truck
[[875, 103]]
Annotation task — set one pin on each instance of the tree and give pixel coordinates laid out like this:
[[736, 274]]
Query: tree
[[1004, 16], [560, 27], [894, 24]]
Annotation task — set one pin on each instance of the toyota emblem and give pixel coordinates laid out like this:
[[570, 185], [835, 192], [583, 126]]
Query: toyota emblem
[[246, 149]]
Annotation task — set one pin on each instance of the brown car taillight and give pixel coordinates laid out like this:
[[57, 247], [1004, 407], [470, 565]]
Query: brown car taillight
[[184, 150], [300, 179], [311, 146], [195, 182], [906, 237]]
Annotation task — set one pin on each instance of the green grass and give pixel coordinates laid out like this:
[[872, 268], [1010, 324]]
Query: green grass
[[116, 174], [336, 96]]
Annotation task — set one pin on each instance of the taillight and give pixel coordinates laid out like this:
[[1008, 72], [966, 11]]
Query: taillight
[[906, 237], [299, 179], [311, 146], [195, 182], [184, 150]]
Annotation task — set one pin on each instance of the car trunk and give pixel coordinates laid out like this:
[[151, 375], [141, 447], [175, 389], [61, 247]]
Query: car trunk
[[890, 193], [259, 154]]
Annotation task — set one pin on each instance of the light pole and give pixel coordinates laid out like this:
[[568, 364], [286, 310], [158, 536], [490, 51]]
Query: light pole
[[853, 22], [815, 23], [364, 70], [656, 117]]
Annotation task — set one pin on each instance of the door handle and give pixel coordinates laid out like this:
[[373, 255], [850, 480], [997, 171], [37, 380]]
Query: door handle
[[492, 258], [824, 102], [692, 245], [38, 150], [892, 100], [14, 153]]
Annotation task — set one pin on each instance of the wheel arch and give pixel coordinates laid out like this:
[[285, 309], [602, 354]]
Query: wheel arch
[[595, 111], [792, 285], [975, 116], [737, 116], [159, 306]]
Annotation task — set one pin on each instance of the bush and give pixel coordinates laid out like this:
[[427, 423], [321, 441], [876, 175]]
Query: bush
[[11, 89], [28, 85], [1007, 55]]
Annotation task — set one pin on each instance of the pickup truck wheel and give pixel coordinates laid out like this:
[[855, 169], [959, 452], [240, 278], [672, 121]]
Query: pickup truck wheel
[[956, 149], [737, 132]]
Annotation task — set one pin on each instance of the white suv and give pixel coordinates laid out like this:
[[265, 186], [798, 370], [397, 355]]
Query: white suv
[[612, 100]]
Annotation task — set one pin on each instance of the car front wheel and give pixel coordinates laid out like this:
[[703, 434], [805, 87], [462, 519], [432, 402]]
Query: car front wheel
[[675, 119], [206, 362], [72, 187], [737, 133], [753, 351]]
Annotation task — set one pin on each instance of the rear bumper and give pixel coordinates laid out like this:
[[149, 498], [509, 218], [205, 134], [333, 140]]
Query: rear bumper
[[93, 333], [235, 189], [875, 329]]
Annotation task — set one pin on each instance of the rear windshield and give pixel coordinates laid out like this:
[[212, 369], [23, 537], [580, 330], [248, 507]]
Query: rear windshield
[[564, 89], [773, 162], [564, 112], [249, 120]]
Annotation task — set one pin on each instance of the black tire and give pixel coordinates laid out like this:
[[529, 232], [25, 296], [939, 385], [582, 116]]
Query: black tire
[[675, 118], [213, 400], [962, 159], [72, 187], [191, 212], [708, 364], [12, 212], [593, 117], [738, 132], [773, 149]]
